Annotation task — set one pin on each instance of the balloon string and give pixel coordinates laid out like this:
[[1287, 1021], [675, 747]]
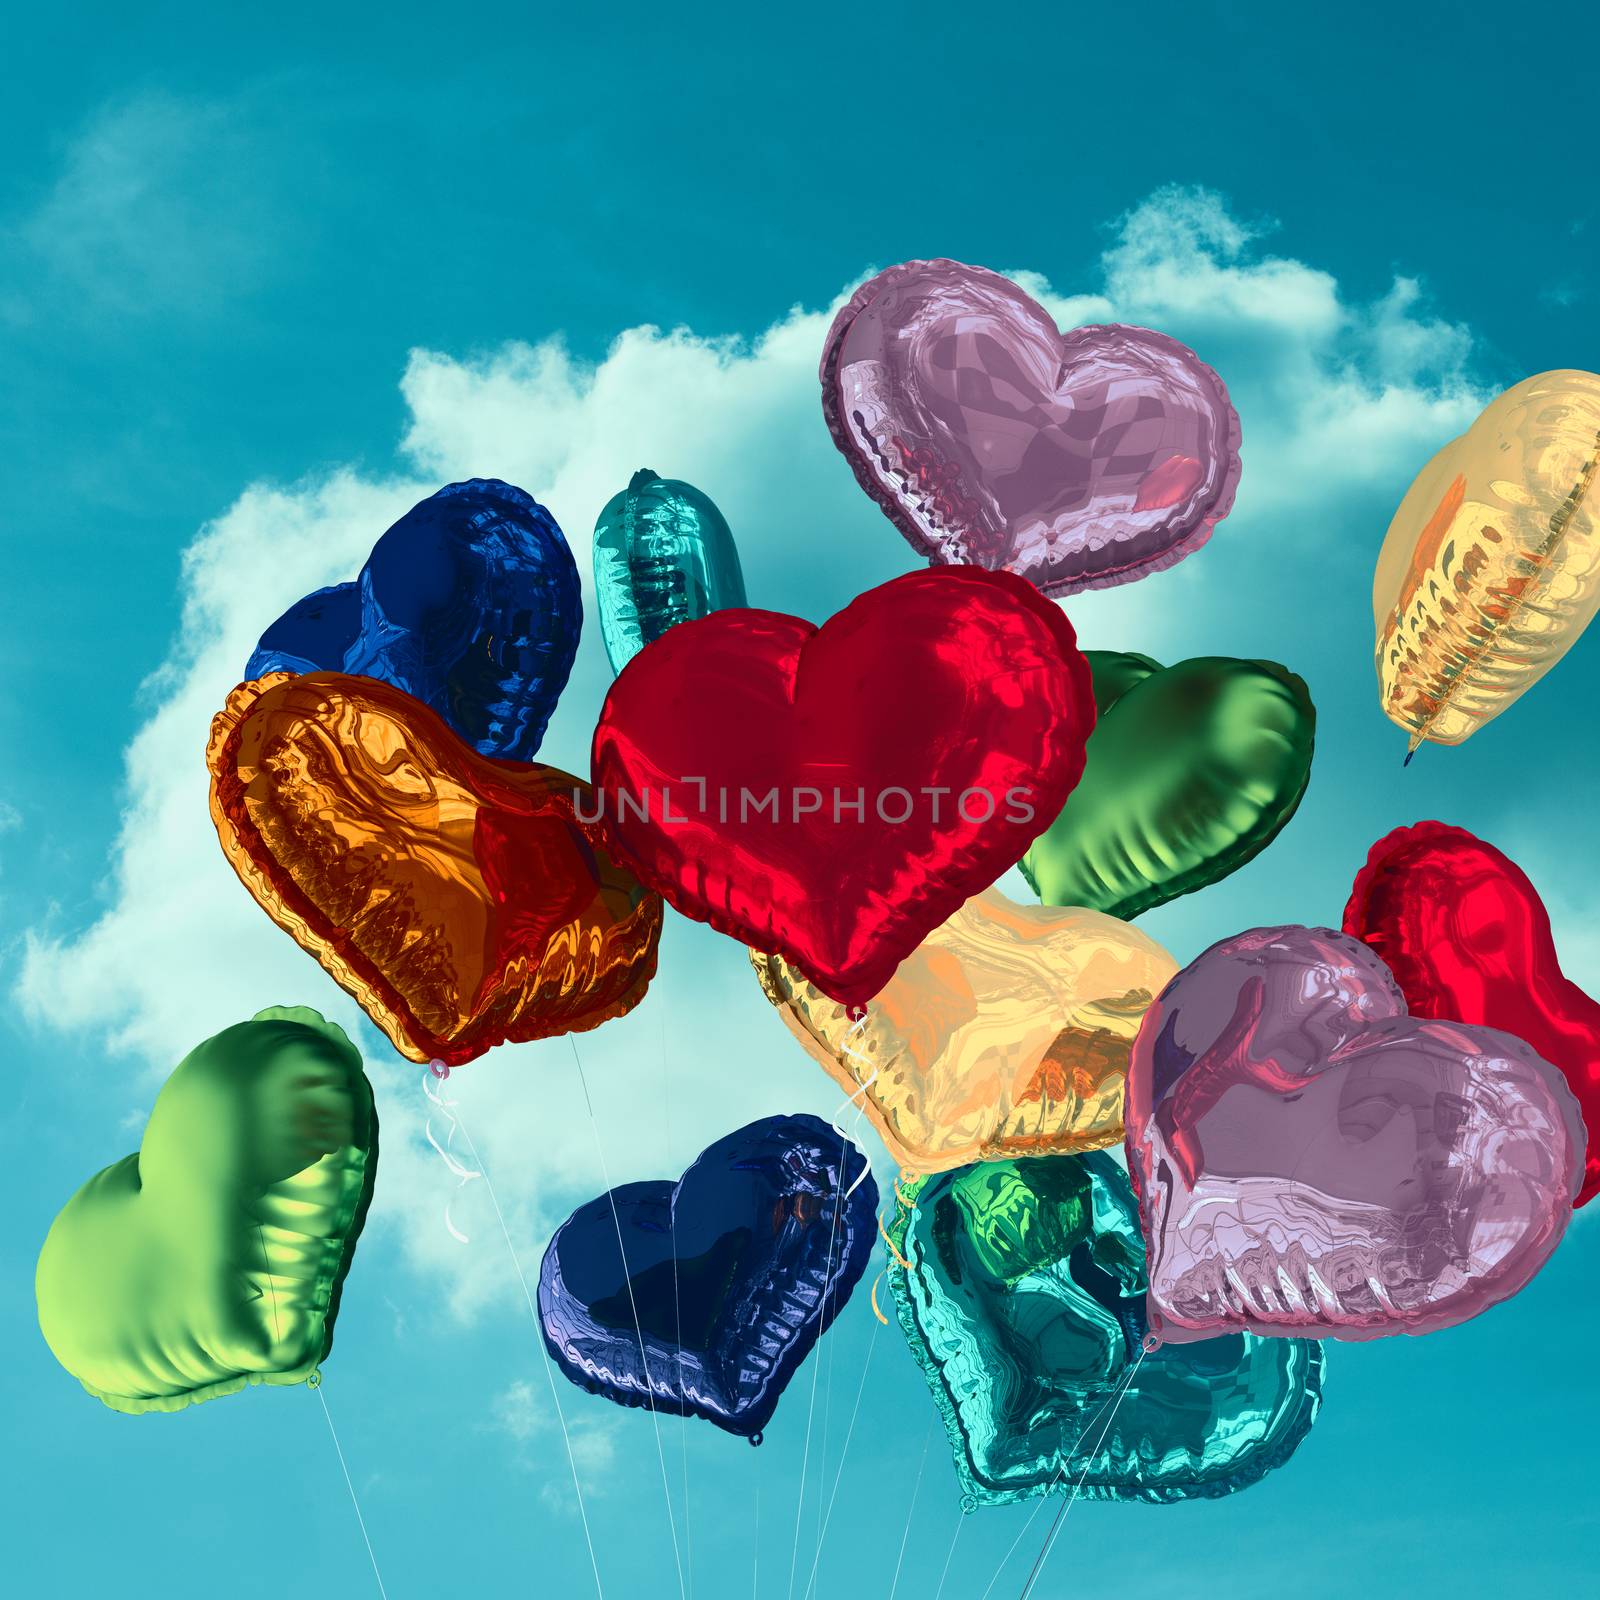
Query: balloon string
[[905, 1533], [1023, 1531], [857, 1028], [677, 1308], [1061, 1516], [907, 1205], [838, 1476], [463, 1175], [944, 1571], [538, 1339], [1039, 1504], [846, 1144], [816, 1365], [644, 1363], [361, 1521]]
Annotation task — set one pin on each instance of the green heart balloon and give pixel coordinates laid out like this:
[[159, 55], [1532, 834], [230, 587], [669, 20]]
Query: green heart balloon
[[214, 1257], [1192, 770], [1020, 1288]]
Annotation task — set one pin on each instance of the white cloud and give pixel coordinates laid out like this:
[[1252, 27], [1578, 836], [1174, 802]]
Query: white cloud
[[157, 207], [524, 1414], [1329, 390]]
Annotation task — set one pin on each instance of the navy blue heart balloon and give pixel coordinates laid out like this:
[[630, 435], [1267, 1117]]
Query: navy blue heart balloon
[[733, 1273], [470, 603]]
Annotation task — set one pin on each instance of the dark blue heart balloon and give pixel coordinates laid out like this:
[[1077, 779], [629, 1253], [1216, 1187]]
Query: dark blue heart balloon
[[470, 603], [733, 1273]]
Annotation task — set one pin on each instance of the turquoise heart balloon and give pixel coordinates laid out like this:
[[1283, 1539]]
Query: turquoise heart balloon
[[1020, 1288]]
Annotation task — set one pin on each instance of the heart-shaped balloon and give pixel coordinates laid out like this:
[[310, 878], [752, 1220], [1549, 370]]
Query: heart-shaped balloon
[[724, 1280], [470, 603], [1311, 1159], [214, 1258], [1022, 1298], [1468, 940], [462, 902], [833, 794], [1005, 1032], [1078, 460], [1192, 770], [1490, 569]]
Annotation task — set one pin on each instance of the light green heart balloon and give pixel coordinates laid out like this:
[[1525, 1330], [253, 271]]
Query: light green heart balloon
[[214, 1257], [1192, 770]]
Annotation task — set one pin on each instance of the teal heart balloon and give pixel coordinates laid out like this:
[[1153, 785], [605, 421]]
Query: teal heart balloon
[[1020, 1288], [1192, 770]]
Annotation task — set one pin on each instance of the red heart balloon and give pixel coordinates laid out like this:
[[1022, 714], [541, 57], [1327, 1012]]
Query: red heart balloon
[[1468, 940], [833, 794]]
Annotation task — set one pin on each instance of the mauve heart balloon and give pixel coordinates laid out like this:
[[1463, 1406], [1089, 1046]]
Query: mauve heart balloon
[[1468, 939], [1077, 460], [1310, 1159], [724, 1280], [833, 794]]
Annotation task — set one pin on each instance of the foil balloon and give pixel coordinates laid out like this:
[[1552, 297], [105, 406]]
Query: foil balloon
[[470, 603], [1020, 1289], [1468, 940], [1491, 567], [1311, 1159], [701, 1298], [214, 1258], [1005, 1032], [662, 554], [462, 902], [833, 794], [1078, 460], [1192, 770]]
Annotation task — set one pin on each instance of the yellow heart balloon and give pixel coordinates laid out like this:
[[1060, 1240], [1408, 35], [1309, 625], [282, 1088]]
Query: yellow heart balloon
[[1491, 567], [1005, 1033]]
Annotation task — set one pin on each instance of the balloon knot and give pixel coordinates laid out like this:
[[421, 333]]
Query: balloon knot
[[439, 1069], [756, 1439]]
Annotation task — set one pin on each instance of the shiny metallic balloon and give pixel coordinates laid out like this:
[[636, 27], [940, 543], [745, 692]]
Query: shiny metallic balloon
[[1491, 567], [1005, 1032], [1311, 1159], [1468, 939], [703, 1297], [470, 603], [213, 1259], [1191, 771], [663, 554], [1077, 460], [1020, 1290], [462, 902], [833, 794]]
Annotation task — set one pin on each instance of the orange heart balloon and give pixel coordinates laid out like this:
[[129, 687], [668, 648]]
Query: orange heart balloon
[[1006, 1032], [463, 902]]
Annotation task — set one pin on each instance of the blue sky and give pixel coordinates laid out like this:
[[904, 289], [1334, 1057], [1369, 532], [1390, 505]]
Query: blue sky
[[265, 282]]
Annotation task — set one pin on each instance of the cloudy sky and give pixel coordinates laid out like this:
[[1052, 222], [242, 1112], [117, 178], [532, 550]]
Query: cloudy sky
[[263, 286]]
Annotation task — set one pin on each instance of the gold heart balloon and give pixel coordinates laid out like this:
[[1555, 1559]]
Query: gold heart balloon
[[1005, 1033], [1491, 567]]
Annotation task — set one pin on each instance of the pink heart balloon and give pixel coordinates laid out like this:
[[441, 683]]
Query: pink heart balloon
[[1076, 460], [1312, 1160]]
